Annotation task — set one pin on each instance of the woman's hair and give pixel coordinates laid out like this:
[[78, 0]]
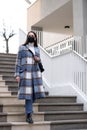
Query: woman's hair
[[35, 41]]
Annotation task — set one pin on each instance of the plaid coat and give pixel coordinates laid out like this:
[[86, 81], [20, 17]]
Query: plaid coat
[[30, 84]]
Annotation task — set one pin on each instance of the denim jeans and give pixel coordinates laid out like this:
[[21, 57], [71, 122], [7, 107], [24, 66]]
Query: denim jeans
[[28, 106]]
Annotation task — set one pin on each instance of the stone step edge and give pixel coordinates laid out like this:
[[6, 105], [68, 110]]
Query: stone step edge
[[48, 104], [5, 92], [45, 122], [60, 112], [42, 98], [22, 103], [57, 104], [45, 97], [8, 96], [5, 124], [69, 96], [43, 113], [50, 112], [77, 121]]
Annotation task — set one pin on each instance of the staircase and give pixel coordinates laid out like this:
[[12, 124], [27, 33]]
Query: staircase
[[50, 113]]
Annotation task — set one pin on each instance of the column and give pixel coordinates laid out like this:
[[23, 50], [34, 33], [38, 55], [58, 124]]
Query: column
[[80, 22]]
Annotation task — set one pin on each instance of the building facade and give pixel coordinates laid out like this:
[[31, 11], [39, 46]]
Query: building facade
[[62, 33], [57, 20]]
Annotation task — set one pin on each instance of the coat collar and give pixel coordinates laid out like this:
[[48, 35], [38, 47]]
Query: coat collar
[[35, 48]]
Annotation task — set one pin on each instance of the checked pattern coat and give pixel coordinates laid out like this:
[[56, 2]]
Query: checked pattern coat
[[30, 85]]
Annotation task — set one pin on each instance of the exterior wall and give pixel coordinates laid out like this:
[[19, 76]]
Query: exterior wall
[[41, 9], [50, 38], [33, 11]]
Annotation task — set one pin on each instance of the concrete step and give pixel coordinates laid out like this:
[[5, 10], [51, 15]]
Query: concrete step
[[8, 82], [54, 116], [3, 117], [5, 126], [58, 107], [13, 87], [12, 117], [65, 125], [7, 59], [7, 62], [13, 82], [6, 73], [69, 124], [2, 83], [1, 77], [27, 126], [13, 107], [14, 93], [16, 117], [57, 99], [2, 66], [53, 125], [4, 88], [59, 115], [19, 116], [6, 70], [8, 55], [5, 93], [10, 100], [4, 63], [8, 78]]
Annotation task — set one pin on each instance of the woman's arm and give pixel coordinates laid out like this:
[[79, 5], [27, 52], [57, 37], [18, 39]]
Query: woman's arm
[[37, 56]]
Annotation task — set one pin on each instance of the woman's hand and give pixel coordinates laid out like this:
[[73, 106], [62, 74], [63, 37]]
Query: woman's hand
[[18, 79], [36, 58]]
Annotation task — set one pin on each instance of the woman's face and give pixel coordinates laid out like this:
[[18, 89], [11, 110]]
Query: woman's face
[[31, 35]]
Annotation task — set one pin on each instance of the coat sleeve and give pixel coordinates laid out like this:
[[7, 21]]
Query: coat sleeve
[[38, 52], [18, 62]]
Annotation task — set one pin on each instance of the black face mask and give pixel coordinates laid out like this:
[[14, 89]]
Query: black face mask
[[30, 39]]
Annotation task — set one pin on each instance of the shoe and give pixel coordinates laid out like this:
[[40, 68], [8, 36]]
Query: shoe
[[29, 119]]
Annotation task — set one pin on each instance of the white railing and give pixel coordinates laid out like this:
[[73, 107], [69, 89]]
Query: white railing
[[72, 43], [80, 72], [70, 68]]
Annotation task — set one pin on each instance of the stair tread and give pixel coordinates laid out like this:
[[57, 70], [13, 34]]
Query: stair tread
[[36, 123], [61, 112], [77, 121], [55, 104], [2, 96], [59, 96], [12, 110], [41, 113], [69, 121], [5, 124], [16, 104]]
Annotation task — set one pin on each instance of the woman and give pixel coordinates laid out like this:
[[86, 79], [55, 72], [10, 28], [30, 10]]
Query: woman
[[28, 74]]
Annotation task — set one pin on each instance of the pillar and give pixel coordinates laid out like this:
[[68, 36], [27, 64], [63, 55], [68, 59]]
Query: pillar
[[80, 22]]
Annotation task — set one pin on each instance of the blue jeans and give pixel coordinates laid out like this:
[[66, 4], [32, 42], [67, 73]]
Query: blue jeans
[[28, 106]]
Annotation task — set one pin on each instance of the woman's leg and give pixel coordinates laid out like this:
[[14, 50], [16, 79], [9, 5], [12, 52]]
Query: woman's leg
[[28, 106], [29, 110]]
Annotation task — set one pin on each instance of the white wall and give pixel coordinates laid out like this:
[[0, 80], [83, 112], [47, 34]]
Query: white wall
[[51, 38], [22, 36], [65, 75]]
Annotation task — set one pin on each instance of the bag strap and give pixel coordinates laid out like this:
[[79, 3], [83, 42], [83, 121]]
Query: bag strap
[[30, 51]]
